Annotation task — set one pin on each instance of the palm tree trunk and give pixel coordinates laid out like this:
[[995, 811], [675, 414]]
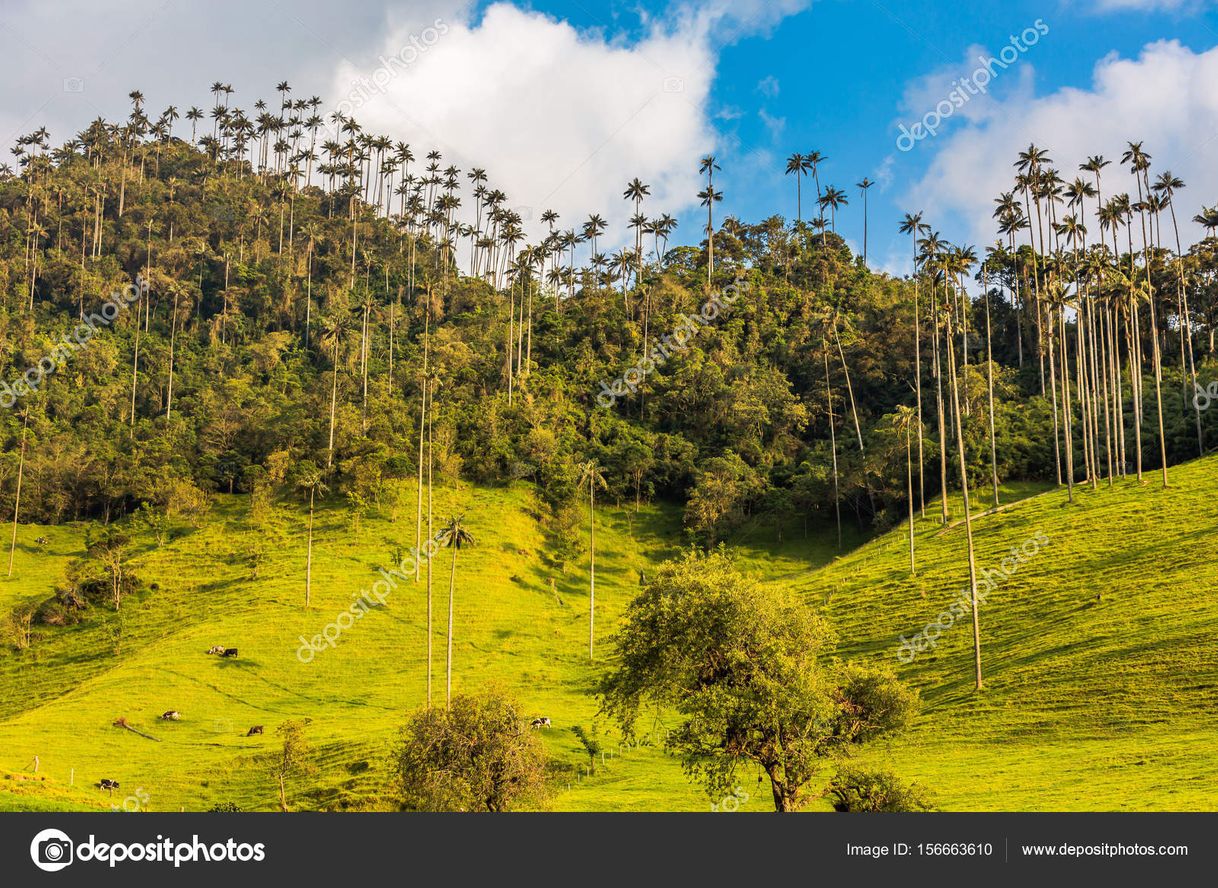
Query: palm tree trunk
[[989, 357], [849, 389], [837, 499], [1067, 432], [309, 556], [430, 538], [591, 566], [913, 570], [1156, 356], [12, 547], [135, 366], [418, 518], [452, 580], [1057, 454], [1135, 379], [173, 335], [938, 373], [918, 388], [968, 520]]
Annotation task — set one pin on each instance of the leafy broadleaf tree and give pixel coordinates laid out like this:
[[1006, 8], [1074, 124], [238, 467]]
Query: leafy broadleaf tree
[[475, 755], [747, 670], [294, 759]]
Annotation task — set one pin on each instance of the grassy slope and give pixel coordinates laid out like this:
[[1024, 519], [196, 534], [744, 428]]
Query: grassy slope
[[1089, 703], [1101, 672]]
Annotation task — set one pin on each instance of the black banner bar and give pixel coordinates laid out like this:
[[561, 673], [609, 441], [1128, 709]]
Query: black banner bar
[[576, 849]]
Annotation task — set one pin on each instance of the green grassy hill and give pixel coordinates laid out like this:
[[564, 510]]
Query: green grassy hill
[[1101, 668]]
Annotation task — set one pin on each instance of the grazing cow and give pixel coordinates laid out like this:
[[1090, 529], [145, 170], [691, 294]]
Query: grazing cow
[[229, 652], [41, 541], [541, 722], [171, 715], [256, 729], [216, 649], [107, 784]]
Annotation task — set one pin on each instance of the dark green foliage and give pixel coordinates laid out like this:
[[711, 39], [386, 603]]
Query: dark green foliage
[[253, 293], [854, 790], [475, 755], [748, 670], [591, 745]]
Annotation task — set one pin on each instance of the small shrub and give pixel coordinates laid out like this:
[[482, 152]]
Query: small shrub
[[857, 790]]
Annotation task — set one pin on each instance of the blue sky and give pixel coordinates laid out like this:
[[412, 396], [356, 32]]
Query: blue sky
[[835, 76], [563, 102]]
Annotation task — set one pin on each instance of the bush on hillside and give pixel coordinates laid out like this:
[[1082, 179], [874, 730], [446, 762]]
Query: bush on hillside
[[858, 790]]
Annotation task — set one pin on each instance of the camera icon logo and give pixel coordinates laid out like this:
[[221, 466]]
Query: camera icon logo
[[73, 85], [51, 850], [674, 85]]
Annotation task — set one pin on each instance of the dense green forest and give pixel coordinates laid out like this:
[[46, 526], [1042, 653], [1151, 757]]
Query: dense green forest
[[309, 307]]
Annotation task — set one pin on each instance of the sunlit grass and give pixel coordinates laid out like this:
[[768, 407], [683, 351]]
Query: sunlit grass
[[1100, 665]]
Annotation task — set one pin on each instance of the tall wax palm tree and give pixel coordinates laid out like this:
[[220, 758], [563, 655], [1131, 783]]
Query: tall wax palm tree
[[12, 547], [1139, 164], [709, 197], [814, 160], [912, 225], [431, 385], [423, 415], [452, 536], [636, 191], [594, 228], [833, 198], [798, 166], [1167, 185], [837, 499], [334, 330], [1208, 219], [904, 421], [864, 186], [996, 250], [968, 520], [933, 252], [311, 479], [590, 476], [194, 115]]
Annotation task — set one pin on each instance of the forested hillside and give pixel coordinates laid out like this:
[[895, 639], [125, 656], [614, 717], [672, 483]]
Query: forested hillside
[[231, 340]]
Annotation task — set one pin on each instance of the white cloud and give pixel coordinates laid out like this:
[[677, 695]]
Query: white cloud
[[768, 86], [1165, 98], [558, 116], [775, 126], [562, 119], [1148, 5]]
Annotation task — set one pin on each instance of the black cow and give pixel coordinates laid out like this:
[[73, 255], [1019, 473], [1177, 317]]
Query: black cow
[[256, 729], [229, 652], [107, 784]]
